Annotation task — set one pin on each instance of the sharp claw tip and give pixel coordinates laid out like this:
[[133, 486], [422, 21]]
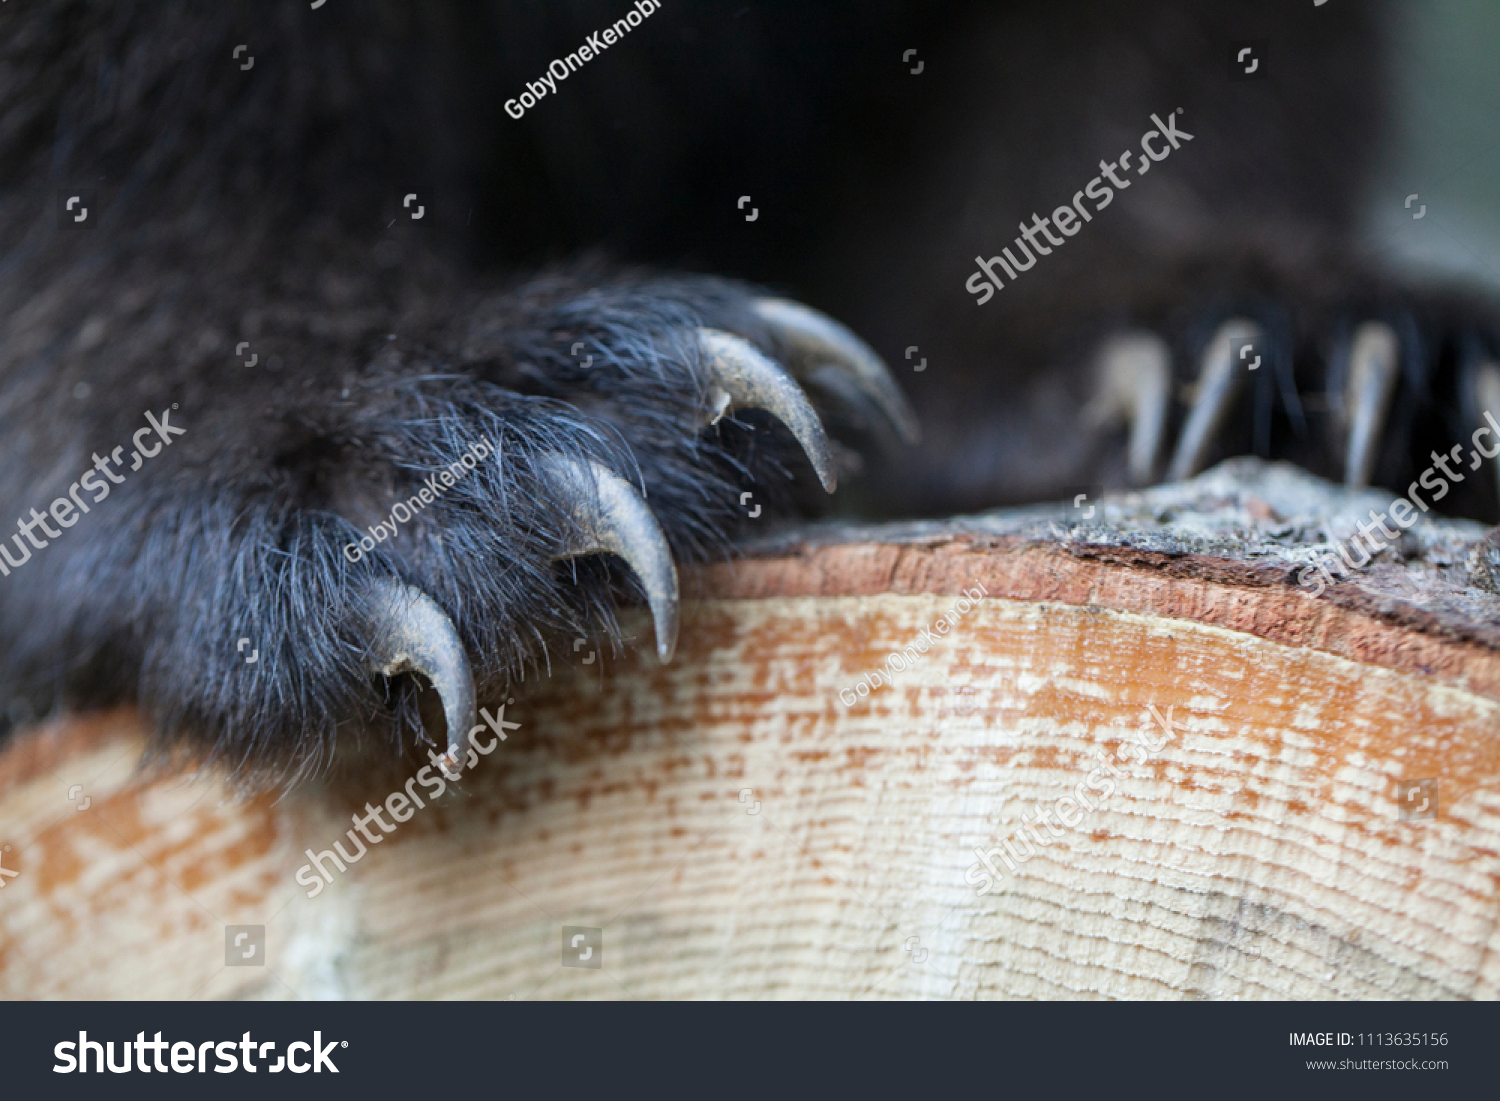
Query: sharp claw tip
[[666, 634], [614, 519], [412, 634], [815, 337]]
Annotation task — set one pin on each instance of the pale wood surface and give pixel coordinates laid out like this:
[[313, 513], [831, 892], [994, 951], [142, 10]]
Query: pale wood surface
[[737, 831]]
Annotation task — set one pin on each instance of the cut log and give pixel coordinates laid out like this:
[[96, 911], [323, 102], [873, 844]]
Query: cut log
[[1248, 790]]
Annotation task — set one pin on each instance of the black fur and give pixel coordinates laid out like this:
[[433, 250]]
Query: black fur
[[258, 206]]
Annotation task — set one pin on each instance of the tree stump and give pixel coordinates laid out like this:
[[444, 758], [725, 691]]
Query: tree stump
[[1301, 802]]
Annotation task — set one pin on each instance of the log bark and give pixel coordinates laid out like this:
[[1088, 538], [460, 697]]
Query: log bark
[[1311, 809]]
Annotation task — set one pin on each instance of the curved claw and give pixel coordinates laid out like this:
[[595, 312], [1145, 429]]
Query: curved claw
[[1216, 390], [1374, 364], [409, 633], [819, 340], [1484, 386], [1135, 386], [612, 518], [741, 374]]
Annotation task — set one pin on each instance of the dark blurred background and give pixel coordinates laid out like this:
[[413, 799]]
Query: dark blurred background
[[877, 187]]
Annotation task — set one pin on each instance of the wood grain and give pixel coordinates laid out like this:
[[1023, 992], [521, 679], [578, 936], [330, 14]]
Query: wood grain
[[737, 831]]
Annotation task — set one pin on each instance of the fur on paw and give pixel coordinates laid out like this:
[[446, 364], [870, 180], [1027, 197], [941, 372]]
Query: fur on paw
[[440, 515]]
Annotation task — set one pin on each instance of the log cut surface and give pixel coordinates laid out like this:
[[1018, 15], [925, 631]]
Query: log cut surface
[[1303, 795]]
